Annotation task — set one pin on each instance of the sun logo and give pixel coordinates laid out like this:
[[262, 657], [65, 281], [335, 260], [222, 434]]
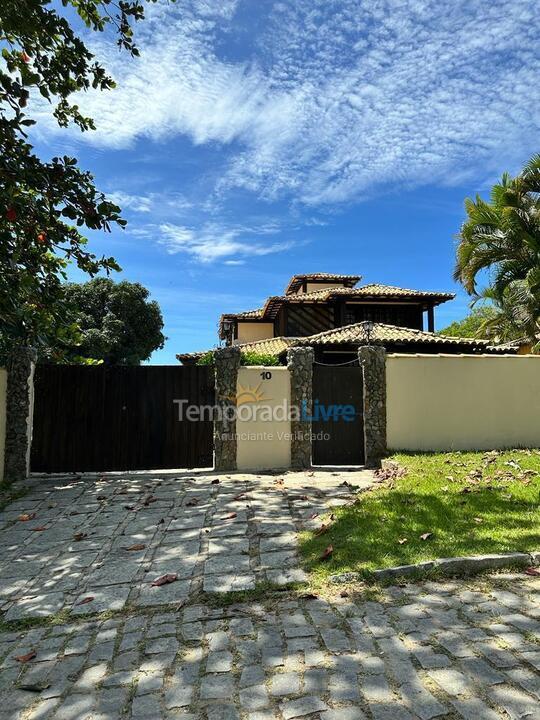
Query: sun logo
[[250, 394]]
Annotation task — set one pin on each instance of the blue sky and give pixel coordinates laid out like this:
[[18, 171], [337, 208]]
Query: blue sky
[[255, 139]]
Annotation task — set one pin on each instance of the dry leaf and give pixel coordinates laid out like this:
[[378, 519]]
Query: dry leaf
[[137, 546], [425, 536], [79, 536], [327, 553], [26, 658], [304, 497], [313, 516], [308, 596], [149, 500], [101, 497], [532, 571], [402, 541], [321, 530], [85, 600], [215, 482], [25, 517], [164, 580], [343, 594], [40, 528], [35, 687], [242, 496], [231, 516], [192, 502]]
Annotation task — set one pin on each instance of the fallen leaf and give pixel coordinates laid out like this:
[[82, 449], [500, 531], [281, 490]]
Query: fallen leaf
[[101, 497], [164, 580], [344, 594], [308, 596], [403, 541], [85, 600], [215, 482], [149, 500], [79, 536], [321, 530], [231, 516], [25, 517], [327, 553], [532, 571], [313, 516], [40, 528], [241, 496], [129, 507], [26, 658], [35, 687], [425, 536], [304, 497], [192, 502], [137, 546], [160, 522]]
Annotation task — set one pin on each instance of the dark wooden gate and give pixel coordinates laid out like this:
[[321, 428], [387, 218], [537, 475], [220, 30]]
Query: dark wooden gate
[[340, 441], [97, 418]]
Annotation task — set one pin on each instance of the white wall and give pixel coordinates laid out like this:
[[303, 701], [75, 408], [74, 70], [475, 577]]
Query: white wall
[[462, 402], [253, 331], [3, 391], [263, 444], [311, 286]]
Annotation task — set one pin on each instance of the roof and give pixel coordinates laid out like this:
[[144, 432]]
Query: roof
[[373, 291], [297, 280], [272, 346], [382, 334]]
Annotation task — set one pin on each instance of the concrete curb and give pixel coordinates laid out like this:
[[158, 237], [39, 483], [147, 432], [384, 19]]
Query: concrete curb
[[447, 566]]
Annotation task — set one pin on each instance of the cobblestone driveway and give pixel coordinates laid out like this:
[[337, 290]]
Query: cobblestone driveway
[[67, 541], [421, 651], [464, 649]]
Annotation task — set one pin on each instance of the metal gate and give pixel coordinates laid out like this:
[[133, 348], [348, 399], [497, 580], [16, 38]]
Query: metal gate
[[98, 418], [338, 422]]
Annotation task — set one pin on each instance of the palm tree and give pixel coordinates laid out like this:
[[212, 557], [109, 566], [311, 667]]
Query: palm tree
[[501, 240]]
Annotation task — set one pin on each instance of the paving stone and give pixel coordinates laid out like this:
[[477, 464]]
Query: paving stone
[[474, 709], [251, 675], [228, 583], [286, 683], [375, 688], [451, 681], [178, 696], [216, 687], [219, 662], [390, 711], [335, 640], [518, 705], [222, 712], [146, 706], [254, 697], [302, 706]]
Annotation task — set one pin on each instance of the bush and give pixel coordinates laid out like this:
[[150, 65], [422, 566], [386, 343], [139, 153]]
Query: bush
[[254, 358], [246, 358]]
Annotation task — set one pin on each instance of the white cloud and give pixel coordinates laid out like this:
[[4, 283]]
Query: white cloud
[[332, 100], [148, 202], [218, 242]]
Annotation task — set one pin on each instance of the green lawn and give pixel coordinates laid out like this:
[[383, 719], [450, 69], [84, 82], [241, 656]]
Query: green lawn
[[472, 503]]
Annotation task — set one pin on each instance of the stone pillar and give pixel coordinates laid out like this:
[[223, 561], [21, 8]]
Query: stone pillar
[[19, 412], [227, 362], [300, 365], [373, 363]]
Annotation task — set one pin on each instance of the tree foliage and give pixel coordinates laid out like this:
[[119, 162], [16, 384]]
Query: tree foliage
[[473, 325], [116, 323], [500, 240], [46, 206]]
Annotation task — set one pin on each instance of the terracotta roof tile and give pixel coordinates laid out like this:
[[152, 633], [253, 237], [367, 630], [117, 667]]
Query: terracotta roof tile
[[382, 334], [296, 281]]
